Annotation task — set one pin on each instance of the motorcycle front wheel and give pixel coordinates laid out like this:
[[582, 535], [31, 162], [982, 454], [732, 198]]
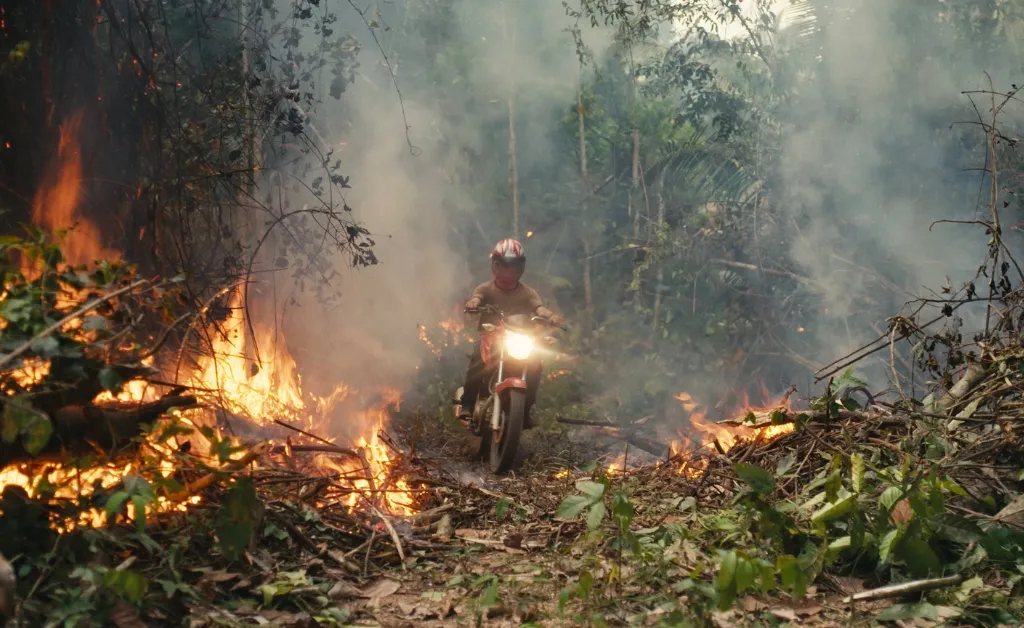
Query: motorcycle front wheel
[[505, 443]]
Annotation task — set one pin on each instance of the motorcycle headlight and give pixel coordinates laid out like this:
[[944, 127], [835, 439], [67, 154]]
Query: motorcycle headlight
[[519, 346]]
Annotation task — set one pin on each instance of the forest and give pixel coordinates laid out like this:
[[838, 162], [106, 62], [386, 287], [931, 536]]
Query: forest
[[238, 239]]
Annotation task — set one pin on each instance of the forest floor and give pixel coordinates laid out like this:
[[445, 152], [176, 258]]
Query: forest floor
[[559, 542], [490, 551]]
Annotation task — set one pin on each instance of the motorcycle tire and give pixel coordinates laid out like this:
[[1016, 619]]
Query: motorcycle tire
[[505, 446]]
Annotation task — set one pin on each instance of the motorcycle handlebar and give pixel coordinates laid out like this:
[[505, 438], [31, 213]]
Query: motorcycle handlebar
[[490, 309]]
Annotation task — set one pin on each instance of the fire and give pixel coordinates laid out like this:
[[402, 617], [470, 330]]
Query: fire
[[725, 437], [230, 377], [54, 204], [271, 388], [453, 332]]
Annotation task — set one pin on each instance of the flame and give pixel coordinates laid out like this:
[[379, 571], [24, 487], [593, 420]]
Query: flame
[[271, 388], [54, 205], [725, 437], [230, 376], [453, 332]]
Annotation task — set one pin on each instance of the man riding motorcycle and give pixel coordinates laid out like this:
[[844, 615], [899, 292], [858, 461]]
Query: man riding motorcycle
[[511, 296]]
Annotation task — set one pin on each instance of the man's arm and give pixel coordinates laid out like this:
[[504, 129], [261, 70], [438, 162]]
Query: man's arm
[[540, 310], [478, 297]]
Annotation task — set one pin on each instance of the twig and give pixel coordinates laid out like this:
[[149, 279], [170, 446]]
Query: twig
[[391, 531], [70, 317], [895, 590]]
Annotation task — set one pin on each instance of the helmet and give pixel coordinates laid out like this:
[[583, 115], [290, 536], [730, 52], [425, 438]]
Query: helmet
[[507, 253]]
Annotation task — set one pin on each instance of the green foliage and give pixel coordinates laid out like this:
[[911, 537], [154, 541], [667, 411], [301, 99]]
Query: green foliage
[[236, 521]]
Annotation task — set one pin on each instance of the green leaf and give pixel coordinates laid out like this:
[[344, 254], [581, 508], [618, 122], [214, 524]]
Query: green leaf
[[501, 508], [572, 506], [920, 558], [955, 528], [140, 502], [20, 418], [596, 515], [857, 472], [17, 412], [792, 576], [725, 580], [237, 518], [94, 323], [759, 480], [745, 575], [47, 346], [114, 504], [890, 497], [833, 483], [767, 576], [491, 594], [889, 541], [727, 570], [921, 610], [110, 380], [844, 503], [836, 547], [593, 489]]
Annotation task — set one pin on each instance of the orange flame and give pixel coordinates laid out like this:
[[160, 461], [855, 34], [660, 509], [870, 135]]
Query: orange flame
[[725, 437], [54, 205], [230, 376]]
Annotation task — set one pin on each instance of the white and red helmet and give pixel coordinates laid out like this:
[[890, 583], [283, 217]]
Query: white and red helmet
[[509, 252]]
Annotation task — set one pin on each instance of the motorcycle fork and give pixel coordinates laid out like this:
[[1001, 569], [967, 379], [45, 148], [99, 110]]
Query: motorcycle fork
[[496, 409]]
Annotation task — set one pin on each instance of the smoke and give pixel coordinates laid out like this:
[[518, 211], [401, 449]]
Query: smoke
[[871, 157], [406, 151]]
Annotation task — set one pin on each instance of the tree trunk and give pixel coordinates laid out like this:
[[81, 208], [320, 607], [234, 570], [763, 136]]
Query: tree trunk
[[588, 296], [659, 225], [513, 173]]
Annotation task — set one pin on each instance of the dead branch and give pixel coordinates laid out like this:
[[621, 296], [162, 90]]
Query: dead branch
[[82, 428], [895, 590]]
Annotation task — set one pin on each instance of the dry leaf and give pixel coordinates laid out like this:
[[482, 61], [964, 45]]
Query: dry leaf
[[807, 611], [901, 512], [752, 604], [124, 616], [444, 528], [380, 590], [783, 613], [343, 590]]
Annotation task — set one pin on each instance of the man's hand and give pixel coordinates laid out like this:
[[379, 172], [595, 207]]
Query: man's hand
[[557, 320], [473, 303]]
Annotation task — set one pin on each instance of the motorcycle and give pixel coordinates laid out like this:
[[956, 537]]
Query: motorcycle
[[500, 412]]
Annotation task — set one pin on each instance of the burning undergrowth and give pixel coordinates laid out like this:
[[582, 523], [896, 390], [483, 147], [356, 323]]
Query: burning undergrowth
[[122, 398]]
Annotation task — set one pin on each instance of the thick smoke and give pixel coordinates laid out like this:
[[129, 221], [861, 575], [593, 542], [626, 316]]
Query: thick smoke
[[871, 157]]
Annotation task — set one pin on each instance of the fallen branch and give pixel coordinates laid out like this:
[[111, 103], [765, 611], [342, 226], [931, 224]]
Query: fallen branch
[[232, 466], [652, 447], [895, 590], [391, 531], [82, 428]]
